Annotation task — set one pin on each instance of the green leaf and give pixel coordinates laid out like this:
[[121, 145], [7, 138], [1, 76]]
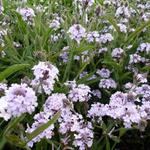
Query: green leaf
[[111, 63], [69, 65], [12, 124], [43, 127], [12, 69], [107, 143], [15, 140], [2, 143], [137, 31], [122, 131], [126, 75], [115, 138], [146, 68], [83, 48]]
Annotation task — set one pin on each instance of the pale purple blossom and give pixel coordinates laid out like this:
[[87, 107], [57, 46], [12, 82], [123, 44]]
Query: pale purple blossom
[[129, 85], [118, 98], [56, 36], [131, 115], [87, 2], [40, 119], [69, 121], [102, 50], [84, 137], [122, 27], [97, 93], [56, 22], [135, 58], [104, 73], [106, 37], [107, 83], [92, 77], [84, 3], [1, 8], [3, 88], [144, 47], [80, 93], [27, 14], [21, 99], [3, 109], [54, 103], [141, 78], [144, 91], [83, 74], [45, 75], [77, 32], [92, 36], [123, 11], [65, 54], [117, 53], [96, 112], [146, 16]]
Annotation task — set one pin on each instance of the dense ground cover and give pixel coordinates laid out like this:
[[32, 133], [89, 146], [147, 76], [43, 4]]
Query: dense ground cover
[[74, 74]]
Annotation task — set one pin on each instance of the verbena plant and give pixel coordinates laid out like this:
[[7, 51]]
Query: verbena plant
[[74, 74]]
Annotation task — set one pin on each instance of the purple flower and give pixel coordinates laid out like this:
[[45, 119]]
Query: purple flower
[[21, 99], [117, 53], [80, 93], [104, 73], [40, 119], [107, 83], [77, 32], [45, 75]]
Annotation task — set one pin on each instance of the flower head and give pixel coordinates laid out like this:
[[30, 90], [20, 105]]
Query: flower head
[[21, 99]]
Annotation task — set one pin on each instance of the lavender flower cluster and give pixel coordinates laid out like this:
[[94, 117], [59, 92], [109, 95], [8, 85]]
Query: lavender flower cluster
[[93, 66]]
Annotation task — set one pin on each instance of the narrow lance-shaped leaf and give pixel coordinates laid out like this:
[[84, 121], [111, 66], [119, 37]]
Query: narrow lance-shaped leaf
[[15, 140], [12, 124], [137, 31], [12, 69]]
